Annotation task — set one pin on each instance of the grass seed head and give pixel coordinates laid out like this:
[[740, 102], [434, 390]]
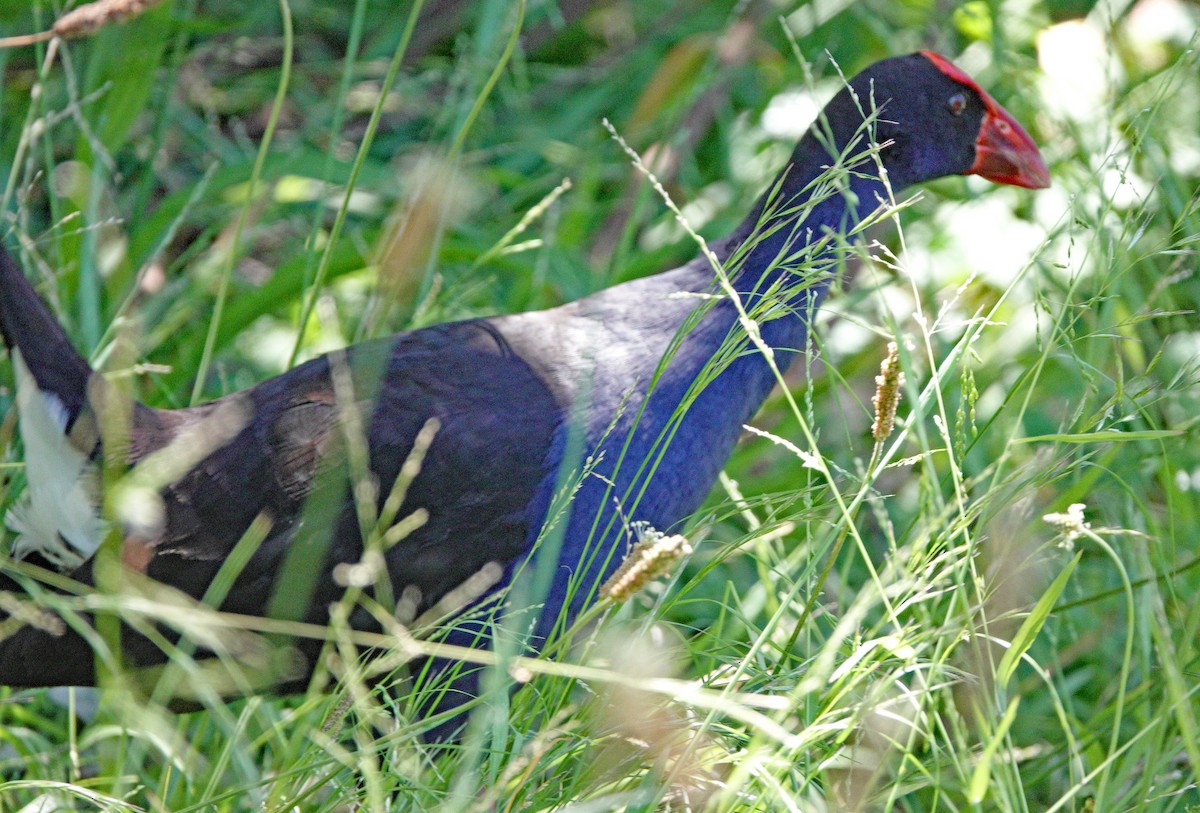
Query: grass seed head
[[84, 21], [887, 394], [650, 559], [21, 613], [1071, 523], [89, 19]]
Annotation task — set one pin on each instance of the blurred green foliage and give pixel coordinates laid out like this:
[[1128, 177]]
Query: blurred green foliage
[[130, 167]]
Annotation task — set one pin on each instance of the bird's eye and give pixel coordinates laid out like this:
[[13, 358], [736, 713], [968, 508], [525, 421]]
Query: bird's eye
[[957, 104]]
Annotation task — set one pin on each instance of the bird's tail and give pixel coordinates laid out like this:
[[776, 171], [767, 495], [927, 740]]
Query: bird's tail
[[59, 517], [29, 327]]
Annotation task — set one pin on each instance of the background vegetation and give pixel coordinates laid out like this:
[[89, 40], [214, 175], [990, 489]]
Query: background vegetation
[[240, 184]]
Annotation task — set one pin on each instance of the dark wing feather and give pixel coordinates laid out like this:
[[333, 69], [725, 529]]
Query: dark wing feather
[[478, 480]]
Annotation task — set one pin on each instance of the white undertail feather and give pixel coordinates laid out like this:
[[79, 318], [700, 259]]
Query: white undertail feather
[[59, 515]]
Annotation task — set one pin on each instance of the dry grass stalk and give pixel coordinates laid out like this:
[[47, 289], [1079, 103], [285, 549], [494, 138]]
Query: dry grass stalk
[[21, 613], [84, 21]]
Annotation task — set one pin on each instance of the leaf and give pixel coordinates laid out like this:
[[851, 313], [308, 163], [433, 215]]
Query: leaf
[[1033, 624], [982, 775], [125, 62], [674, 79], [1106, 436]]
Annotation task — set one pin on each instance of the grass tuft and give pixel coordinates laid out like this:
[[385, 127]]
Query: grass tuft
[[987, 605]]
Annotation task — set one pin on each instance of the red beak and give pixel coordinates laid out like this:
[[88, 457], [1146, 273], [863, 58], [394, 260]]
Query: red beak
[[1004, 152]]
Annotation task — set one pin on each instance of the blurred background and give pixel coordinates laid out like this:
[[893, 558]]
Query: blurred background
[[240, 186]]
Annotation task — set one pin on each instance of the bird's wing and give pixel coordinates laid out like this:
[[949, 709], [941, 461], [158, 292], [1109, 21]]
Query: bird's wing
[[280, 449], [489, 420]]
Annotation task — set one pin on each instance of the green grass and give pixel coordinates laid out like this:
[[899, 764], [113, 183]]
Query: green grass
[[894, 628]]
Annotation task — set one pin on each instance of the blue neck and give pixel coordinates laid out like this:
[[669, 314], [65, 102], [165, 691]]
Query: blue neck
[[789, 222], [781, 265], [783, 256]]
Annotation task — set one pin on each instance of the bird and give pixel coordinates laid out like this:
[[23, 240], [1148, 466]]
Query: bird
[[547, 438]]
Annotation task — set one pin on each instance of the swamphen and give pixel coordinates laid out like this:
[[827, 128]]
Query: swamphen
[[634, 396]]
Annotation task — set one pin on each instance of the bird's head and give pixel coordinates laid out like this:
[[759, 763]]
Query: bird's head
[[936, 121]]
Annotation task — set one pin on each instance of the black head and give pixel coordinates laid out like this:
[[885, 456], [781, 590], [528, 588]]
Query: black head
[[939, 122]]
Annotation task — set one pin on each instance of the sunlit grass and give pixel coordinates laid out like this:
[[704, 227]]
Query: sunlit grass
[[891, 628]]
